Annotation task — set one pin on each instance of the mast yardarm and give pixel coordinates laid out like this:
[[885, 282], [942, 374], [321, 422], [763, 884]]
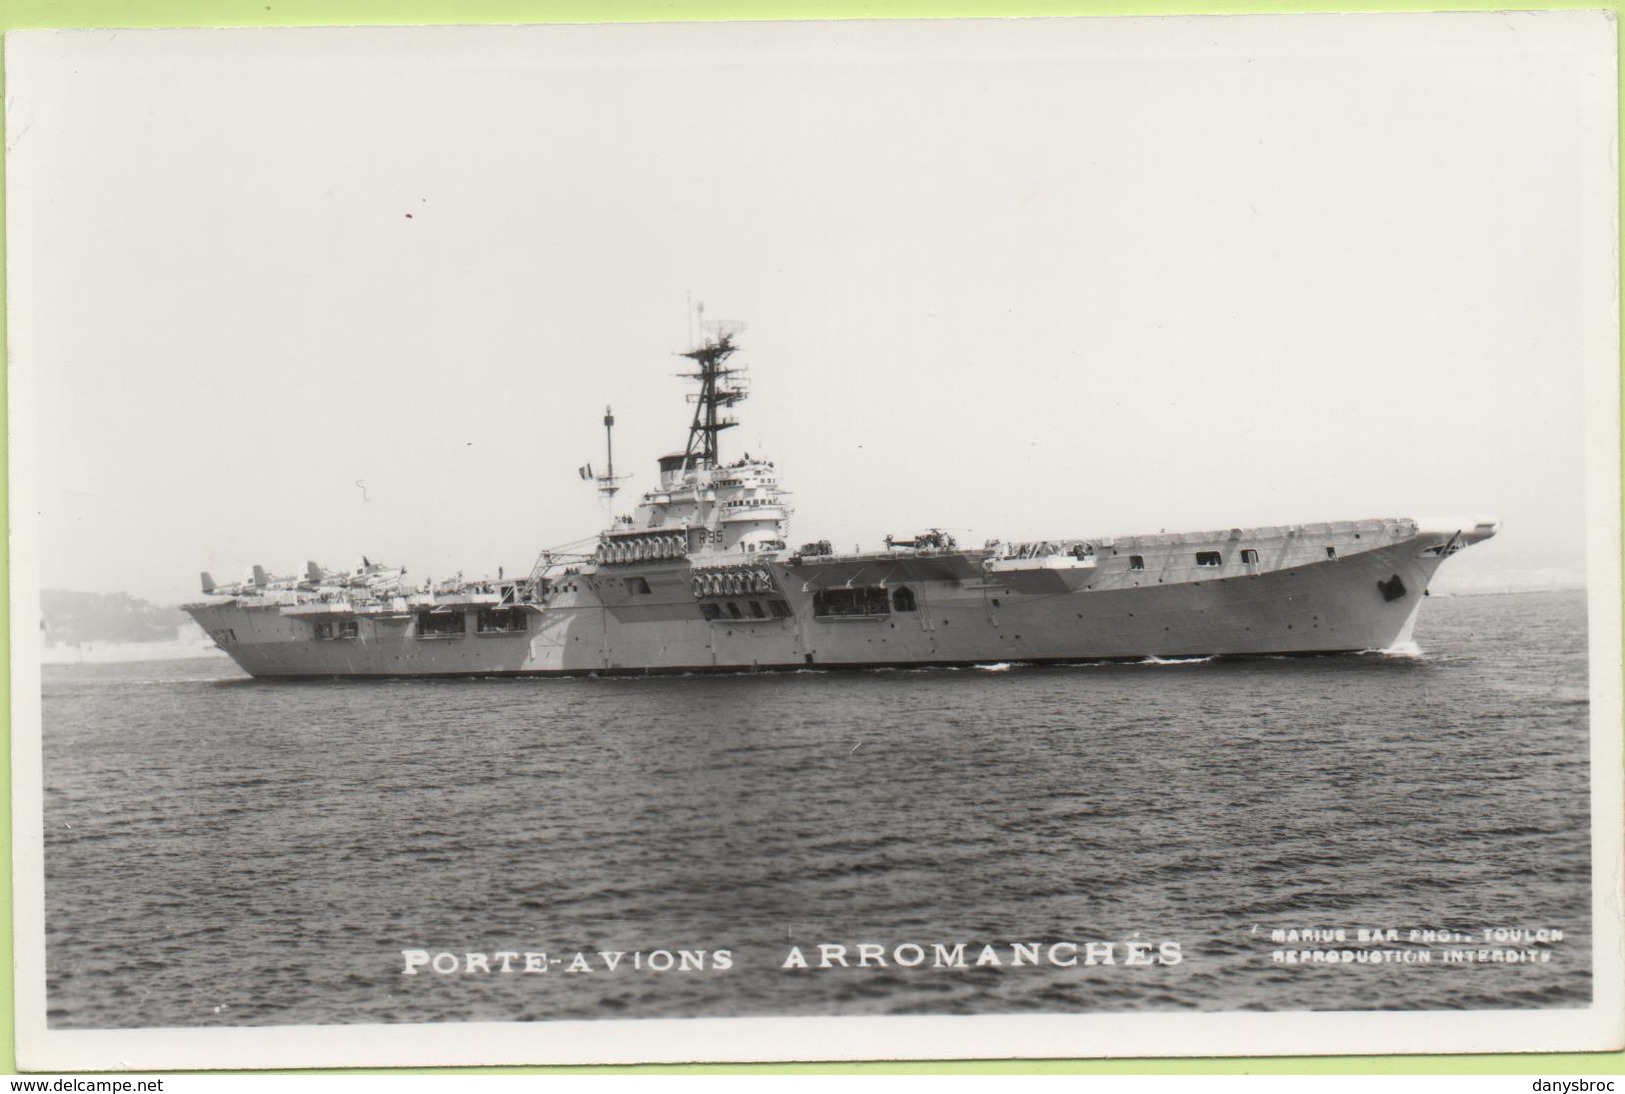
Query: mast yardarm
[[720, 389]]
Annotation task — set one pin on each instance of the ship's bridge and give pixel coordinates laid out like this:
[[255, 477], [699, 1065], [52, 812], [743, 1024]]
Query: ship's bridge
[[714, 508], [731, 508], [673, 470]]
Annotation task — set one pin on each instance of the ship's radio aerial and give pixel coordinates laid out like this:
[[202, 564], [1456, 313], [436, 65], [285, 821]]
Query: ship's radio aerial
[[609, 482]]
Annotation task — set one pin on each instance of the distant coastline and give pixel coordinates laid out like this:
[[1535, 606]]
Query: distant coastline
[[1502, 590], [180, 648], [1534, 581], [90, 628]]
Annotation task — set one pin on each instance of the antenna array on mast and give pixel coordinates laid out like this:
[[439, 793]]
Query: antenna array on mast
[[721, 388]]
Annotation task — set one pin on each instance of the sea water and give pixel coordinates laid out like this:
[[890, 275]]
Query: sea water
[[1090, 838]]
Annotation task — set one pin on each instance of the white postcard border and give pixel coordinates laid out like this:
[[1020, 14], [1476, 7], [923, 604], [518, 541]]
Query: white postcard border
[[1599, 1026]]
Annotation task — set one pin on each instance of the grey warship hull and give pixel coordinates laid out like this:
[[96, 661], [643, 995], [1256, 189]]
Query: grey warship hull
[[1314, 589], [699, 578]]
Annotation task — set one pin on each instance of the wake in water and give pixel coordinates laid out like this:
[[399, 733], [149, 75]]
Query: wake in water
[[1174, 661], [1404, 651]]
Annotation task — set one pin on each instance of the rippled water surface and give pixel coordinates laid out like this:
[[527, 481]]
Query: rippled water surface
[[221, 851]]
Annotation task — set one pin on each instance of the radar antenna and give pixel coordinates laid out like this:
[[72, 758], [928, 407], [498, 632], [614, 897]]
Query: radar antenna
[[720, 389]]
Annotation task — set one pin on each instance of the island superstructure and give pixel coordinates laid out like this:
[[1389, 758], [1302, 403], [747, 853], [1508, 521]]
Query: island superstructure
[[699, 576]]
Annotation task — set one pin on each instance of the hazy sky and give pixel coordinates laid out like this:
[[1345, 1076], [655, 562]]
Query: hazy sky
[[1024, 278]]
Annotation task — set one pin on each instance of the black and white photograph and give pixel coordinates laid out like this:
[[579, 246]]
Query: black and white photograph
[[954, 539]]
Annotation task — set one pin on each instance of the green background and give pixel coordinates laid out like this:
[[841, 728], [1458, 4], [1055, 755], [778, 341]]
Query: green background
[[16, 14]]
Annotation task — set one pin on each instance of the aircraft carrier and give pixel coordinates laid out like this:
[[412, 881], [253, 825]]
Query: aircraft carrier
[[700, 577]]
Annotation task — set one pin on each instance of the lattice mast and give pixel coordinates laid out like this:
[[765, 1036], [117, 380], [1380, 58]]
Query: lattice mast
[[721, 387]]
